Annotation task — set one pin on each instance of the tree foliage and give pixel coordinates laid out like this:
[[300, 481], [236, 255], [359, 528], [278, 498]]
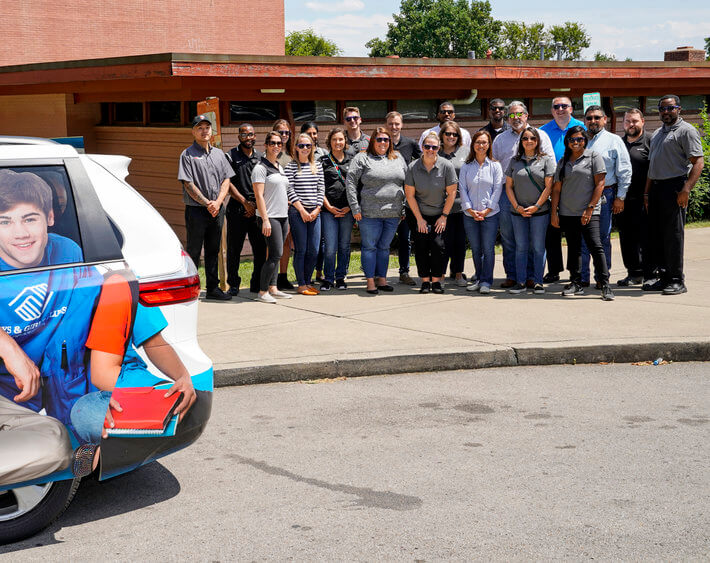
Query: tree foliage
[[308, 43], [707, 48], [573, 37], [439, 28], [603, 57]]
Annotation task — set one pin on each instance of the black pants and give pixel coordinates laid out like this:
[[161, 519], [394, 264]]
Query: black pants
[[553, 250], [202, 228], [404, 246], [666, 223], [429, 247], [455, 240], [633, 238], [238, 227], [574, 231], [275, 245]]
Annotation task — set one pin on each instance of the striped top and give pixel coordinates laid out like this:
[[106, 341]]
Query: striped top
[[304, 186]]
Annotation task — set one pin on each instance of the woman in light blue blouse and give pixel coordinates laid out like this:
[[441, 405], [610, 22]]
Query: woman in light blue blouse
[[480, 185]]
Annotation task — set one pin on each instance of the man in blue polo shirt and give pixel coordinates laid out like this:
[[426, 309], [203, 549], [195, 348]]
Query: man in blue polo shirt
[[556, 130]]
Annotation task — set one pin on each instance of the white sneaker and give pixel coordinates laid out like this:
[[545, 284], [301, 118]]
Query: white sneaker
[[461, 282], [474, 286], [266, 298], [280, 295], [485, 289]]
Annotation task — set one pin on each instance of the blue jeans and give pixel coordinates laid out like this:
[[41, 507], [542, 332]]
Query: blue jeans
[[507, 236], [604, 233], [530, 235], [336, 233], [376, 235], [88, 414], [482, 238], [306, 240]]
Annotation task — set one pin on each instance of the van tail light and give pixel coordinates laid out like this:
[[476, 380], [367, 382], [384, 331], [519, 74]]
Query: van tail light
[[169, 291]]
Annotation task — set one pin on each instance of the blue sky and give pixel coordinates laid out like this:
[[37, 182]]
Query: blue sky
[[643, 31]]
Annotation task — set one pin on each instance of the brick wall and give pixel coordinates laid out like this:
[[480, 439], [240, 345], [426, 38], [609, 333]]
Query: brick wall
[[77, 29]]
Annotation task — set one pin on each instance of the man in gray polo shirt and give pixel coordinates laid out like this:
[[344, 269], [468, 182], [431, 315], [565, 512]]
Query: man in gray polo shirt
[[204, 172], [675, 165]]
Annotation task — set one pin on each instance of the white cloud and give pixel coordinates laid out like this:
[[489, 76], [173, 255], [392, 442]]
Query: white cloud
[[342, 6], [349, 32]]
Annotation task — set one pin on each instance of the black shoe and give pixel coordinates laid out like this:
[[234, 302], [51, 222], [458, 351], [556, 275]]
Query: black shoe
[[218, 295], [653, 285], [283, 283], [233, 291], [607, 293], [425, 288], [386, 288], [572, 289], [675, 288], [372, 291], [629, 280], [340, 284], [551, 278], [325, 285], [254, 289], [436, 288], [320, 279], [517, 288]]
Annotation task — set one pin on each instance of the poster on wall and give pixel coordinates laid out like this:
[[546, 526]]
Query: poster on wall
[[210, 108]]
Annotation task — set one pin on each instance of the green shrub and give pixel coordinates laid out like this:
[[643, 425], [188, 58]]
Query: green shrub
[[699, 202]]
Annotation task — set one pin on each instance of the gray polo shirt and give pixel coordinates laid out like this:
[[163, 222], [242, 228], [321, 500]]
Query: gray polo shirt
[[671, 147], [375, 185], [526, 193], [207, 170], [430, 185], [275, 186], [578, 183]]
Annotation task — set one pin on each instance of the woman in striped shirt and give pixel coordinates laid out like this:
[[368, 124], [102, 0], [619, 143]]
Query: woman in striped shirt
[[306, 189]]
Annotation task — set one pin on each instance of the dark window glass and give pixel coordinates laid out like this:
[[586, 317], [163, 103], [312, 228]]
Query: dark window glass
[[468, 111], [253, 111], [164, 112], [128, 112], [319, 111], [369, 109], [191, 111], [417, 109], [625, 103]]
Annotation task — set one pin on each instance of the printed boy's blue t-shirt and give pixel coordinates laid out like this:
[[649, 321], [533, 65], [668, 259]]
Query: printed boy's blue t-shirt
[[59, 250]]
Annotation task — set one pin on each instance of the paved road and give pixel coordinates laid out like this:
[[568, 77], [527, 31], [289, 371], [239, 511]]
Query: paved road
[[605, 461]]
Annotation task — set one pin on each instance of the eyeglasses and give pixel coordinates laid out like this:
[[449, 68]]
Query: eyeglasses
[[304, 145], [246, 135], [446, 111], [284, 133], [481, 143], [451, 134], [560, 106], [527, 139], [352, 118], [274, 143], [665, 109], [430, 147], [497, 108], [517, 114], [593, 117], [575, 140], [382, 139]]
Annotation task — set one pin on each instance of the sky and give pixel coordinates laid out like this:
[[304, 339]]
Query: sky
[[642, 32]]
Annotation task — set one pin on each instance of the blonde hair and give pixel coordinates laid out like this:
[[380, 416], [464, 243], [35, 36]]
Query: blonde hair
[[311, 154]]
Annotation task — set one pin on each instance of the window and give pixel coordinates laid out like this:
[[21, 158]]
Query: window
[[370, 109], [692, 103], [469, 111], [412, 110], [128, 112], [318, 111], [167, 113], [625, 103], [253, 111]]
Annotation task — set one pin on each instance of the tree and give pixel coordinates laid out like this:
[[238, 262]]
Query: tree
[[573, 37], [522, 41], [439, 28], [603, 57], [707, 48], [307, 43]]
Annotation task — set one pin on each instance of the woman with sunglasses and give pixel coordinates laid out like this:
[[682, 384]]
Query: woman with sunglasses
[[337, 219], [430, 188], [528, 185], [270, 191], [576, 205], [306, 189], [375, 191], [480, 185], [453, 149], [282, 127], [311, 128]]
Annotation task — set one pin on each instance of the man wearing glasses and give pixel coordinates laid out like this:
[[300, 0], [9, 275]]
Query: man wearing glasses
[[556, 130], [497, 123], [356, 140], [241, 209], [447, 113], [675, 164], [616, 183]]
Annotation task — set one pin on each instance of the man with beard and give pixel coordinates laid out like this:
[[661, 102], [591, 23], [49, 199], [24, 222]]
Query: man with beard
[[504, 148], [616, 183], [497, 123], [241, 209], [446, 113], [675, 164]]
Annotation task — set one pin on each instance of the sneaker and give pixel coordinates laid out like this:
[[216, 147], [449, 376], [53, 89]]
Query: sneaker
[[340, 284], [607, 293], [517, 288], [283, 283], [462, 282], [436, 288], [266, 298], [319, 278], [233, 291], [325, 285], [484, 289], [538, 289], [674, 289], [218, 295], [474, 286], [280, 295], [629, 280], [308, 291], [572, 289], [653, 285], [425, 288], [551, 278], [406, 279], [507, 283]]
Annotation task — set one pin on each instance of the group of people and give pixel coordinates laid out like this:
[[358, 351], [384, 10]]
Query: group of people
[[528, 185]]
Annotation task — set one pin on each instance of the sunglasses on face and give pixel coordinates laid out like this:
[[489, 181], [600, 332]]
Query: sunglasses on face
[[446, 111], [528, 139], [664, 109], [451, 134], [560, 106], [382, 139], [246, 135], [594, 117], [517, 114], [304, 145], [430, 147], [576, 140], [284, 133], [352, 118], [274, 143], [497, 108]]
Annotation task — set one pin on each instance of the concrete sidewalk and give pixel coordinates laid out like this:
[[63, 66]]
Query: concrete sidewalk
[[351, 333]]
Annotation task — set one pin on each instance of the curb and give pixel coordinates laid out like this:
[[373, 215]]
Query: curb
[[501, 357]]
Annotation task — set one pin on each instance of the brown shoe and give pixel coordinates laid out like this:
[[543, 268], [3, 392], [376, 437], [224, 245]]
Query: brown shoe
[[406, 279], [507, 283], [530, 284]]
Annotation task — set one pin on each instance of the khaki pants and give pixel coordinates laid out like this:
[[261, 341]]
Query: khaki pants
[[31, 445]]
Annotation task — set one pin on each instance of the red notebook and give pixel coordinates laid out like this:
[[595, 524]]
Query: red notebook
[[145, 410]]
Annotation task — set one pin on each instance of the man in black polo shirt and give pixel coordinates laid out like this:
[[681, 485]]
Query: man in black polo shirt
[[241, 212], [676, 162], [497, 123], [204, 172]]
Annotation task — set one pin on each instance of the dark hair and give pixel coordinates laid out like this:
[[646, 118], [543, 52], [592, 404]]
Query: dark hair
[[450, 125], [636, 111], [245, 125], [307, 125], [24, 187], [333, 131], [472, 153], [288, 145], [271, 134], [521, 148], [594, 108], [568, 152], [442, 105], [494, 100], [669, 96], [391, 153]]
